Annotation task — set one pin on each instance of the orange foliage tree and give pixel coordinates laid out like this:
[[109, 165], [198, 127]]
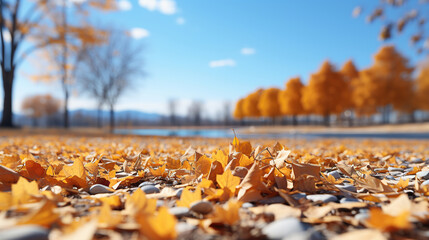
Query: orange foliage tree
[[387, 83], [40, 106], [268, 104], [423, 87], [326, 92], [290, 99], [250, 104], [238, 111]]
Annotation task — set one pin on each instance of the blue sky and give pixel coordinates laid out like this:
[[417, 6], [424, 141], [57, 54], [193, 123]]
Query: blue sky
[[253, 43]]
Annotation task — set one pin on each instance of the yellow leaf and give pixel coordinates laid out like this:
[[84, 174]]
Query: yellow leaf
[[203, 165], [228, 214], [385, 222], [138, 203], [188, 197], [227, 180], [160, 171], [77, 169], [23, 191], [44, 216], [5, 200], [161, 226], [221, 157]]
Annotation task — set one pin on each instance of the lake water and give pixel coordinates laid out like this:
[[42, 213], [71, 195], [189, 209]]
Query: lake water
[[228, 133]]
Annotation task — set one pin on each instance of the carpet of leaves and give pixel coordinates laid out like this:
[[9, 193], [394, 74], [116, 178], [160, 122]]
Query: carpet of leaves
[[47, 181]]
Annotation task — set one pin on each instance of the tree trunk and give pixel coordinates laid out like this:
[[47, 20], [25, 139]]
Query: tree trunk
[[99, 117], [294, 120], [66, 110], [326, 120], [7, 116], [112, 118]]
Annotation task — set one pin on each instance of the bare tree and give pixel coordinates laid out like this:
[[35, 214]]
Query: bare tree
[[195, 112], [106, 71], [226, 112], [172, 108]]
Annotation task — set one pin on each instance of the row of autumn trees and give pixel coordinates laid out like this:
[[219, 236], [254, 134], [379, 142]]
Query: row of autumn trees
[[387, 84], [73, 47]]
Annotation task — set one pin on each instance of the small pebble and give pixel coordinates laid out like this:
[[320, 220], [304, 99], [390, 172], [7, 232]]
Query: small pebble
[[285, 228], [409, 177], [347, 187], [349, 200], [179, 211], [179, 192], [417, 160], [247, 205], [26, 232], [298, 196], [202, 207], [361, 216], [322, 197], [335, 174], [393, 169], [183, 227], [146, 184], [148, 189], [423, 175], [272, 200], [99, 188]]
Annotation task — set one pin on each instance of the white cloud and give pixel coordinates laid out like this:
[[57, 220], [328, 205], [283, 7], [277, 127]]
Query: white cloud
[[222, 63], [167, 6], [139, 33], [164, 6], [248, 51], [6, 36], [180, 21], [124, 5]]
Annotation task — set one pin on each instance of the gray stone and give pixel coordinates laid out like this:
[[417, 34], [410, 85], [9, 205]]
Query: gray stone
[[397, 174], [286, 228], [349, 200], [423, 175], [388, 177], [335, 174], [322, 197], [160, 203], [247, 205], [202, 207], [272, 200], [409, 177], [184, 228], [361, 216], [179, 211], [99, 188], [179, 192], [148, 189], [146, 184], [379, 169], [26, 232], [393, 169], [417, 160], [298, 196], [347, 187]]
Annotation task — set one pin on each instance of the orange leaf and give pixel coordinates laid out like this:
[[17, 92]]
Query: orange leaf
[[228, 214], [385, 222], [43, 216], [23, 191], [308, 169], [77, 169], [161, 226], [188, 197], [203, 165], [160, 171], [227, 180], [7, 175], [138, 203]]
